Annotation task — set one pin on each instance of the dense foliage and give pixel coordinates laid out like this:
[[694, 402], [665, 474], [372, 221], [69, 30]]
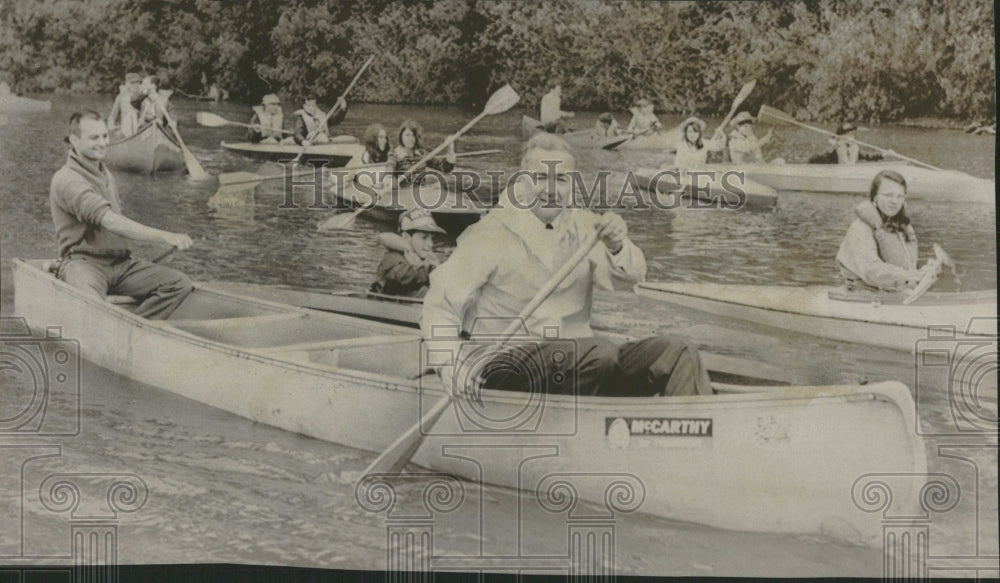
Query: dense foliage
[[875, 60]]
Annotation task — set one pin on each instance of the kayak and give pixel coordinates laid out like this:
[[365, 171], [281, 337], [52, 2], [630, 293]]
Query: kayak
[[869, 318], [664, 141], [452, 211], [922, 183], [798, 459], [577, 139], [11, 103], [337, 153], [712, 189], [150, 150]]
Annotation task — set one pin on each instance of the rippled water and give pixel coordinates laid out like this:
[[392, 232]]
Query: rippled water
[[223, 489]]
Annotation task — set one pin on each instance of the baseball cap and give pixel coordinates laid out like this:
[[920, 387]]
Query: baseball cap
[[418, 220]]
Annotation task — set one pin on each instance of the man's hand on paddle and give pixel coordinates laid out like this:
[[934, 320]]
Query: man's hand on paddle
[[613, 231], [179, 240]]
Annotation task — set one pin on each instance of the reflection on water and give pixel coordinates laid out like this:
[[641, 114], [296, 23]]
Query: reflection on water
[[224, 489]]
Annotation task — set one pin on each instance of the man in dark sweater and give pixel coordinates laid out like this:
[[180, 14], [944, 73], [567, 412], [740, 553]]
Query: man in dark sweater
[[91, 231]]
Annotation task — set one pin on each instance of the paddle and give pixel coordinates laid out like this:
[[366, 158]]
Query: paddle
[[233, 178], [930, 277], [502, 100], [745, 92], [776, 116], [321, 123], [399, 453], [193, 167], [213, 121]]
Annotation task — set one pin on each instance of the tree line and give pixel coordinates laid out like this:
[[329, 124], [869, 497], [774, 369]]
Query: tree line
[[867, 60]]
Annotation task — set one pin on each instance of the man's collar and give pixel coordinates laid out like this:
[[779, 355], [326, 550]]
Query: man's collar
[[95, 167]]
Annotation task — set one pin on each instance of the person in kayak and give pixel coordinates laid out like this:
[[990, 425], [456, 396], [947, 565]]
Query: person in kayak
[[91, 231], [643, 121], [267, 123], [124, 115], [744, 146], [410, 151], [376, 142], [606, 126], [692, 149], [551, 113], [409, 258], [308, 127], [154, 106], [845, 149], [503, 260], [879, 251]]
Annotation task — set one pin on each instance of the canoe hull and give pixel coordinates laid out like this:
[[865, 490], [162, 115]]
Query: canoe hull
[[663, 141], [337, 153], [578, 139], [713, 189], [18, 104], [809, 310], [152, 149], [773, 459]]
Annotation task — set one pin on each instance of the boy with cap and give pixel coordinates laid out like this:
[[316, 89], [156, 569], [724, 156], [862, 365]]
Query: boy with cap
[[268, 122], [409, 258], [310, 126], [744, 146], [124, 115], [643, 121]]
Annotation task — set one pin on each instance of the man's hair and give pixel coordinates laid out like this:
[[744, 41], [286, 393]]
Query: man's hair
[[546, 141], [77, 116]]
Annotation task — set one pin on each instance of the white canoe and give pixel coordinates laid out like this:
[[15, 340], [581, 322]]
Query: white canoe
[[662, 141], [922, 183], [709, 188], [875, 319], [770, 459], [578, 139], [338, 152]]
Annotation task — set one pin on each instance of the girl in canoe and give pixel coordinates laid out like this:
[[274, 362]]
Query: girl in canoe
[[879, 251], [410, 151], [376, 143], [693, 149]]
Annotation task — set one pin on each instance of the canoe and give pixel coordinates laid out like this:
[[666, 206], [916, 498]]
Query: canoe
[[10, 103], [663, 141], [757, 458], [452, 211], [577, 139], [922, 183], [710, 189], [337, 153], [150, 150], [873, 319]]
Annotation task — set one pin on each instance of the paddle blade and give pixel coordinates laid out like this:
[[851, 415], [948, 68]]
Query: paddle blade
[[210, 119], [745, 92], [194, 168], [230, 178], [399, 453], [501, 100], [775, 116]]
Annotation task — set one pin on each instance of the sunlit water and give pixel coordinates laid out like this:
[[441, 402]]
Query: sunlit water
[[223, 489]]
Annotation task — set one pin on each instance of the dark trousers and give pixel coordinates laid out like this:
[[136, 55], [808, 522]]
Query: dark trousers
[[158, 289], [653, 366]]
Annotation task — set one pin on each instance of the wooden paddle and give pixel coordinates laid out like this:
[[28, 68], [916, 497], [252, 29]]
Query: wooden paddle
[[745, 92], [401, 450], [776, 116], [193, 166], [213, 121], [931, 276], [502, 100], [234, 178], [321, 123]]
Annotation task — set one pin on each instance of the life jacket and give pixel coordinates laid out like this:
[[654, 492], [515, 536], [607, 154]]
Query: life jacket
[[312, 122], [270, 125], [895, 248]]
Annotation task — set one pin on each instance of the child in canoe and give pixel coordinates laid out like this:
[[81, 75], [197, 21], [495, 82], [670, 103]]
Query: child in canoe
[[879, 251], [409, 257], [693, 149], [410, 151]]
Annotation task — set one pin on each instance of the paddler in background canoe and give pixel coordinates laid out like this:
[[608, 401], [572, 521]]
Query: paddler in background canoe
[[124, 115], [879, 251], [501, 264], [410, 150], [376, 142], [309, 128], [744, 146], [91, 231], [409, 257], [845, 148], [693, 149], [606, 126], [155, 103], [267, 122], [551, 112], [643, 121]]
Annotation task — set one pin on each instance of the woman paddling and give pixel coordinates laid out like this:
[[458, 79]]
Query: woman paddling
[[410, 151], [879, 251], [693, 149]]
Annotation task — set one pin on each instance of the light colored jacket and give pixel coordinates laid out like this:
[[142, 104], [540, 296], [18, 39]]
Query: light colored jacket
[[551, 108], [873, 257]]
